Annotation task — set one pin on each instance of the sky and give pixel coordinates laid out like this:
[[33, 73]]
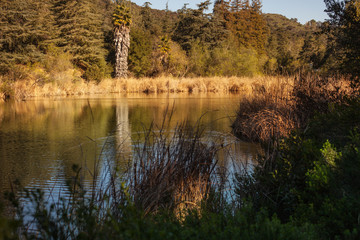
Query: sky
[[303, 10]]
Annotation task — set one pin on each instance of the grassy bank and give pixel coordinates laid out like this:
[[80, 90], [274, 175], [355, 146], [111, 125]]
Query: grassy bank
[[38, 84]]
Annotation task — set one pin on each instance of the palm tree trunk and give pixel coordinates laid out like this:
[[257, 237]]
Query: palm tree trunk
[[122, 45]]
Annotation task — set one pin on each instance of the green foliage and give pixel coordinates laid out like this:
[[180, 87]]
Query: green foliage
[[308, 179], [56, 60], [224, 60], [242, 224], [343, 26], [81, 219], [80, 32], [318, 177], [178, 61], [97, 71], [26, 28], [330, 154], [197, 26], [140, 52], [84, 30], [313, 51], [199, 57], [294, 46], [122, 16], [164, 45], [227, 60], [247, 23], [169, 58], [31, 28]]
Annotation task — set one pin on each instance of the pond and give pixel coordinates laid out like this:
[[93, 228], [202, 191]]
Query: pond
[[41, 139]]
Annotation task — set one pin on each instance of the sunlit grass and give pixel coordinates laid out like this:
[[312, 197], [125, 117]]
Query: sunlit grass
[[69, 83]]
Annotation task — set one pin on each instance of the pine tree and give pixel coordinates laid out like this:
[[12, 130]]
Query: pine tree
[[222, 13], [81, 32], [13, 33], [26, 29], [42, 26], [140, 52], [121, 21], [260, 31], [247, 24], [344, 29], [166, 22], [197, 25]]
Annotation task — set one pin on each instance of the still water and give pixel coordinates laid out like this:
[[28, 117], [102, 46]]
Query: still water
[[41, 139]]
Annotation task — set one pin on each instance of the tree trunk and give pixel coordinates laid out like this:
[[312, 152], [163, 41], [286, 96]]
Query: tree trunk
[[122, 45]]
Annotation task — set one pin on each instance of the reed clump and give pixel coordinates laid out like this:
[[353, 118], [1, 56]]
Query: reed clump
[[273, 109], [172, 173], [263, 112]]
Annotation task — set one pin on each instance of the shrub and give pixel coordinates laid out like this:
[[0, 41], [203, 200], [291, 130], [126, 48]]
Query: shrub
[[307, 178], [140, 52]]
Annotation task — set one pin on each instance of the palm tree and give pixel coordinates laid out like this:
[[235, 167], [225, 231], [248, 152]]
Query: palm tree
[[121, 21]]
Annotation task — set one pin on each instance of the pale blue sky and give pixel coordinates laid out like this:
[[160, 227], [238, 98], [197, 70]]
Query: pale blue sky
[[303, 10]]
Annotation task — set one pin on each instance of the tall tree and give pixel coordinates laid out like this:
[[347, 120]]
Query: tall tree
[[140, 52], [197, 25], [26, 29], [81, 33], [121, 21], [248, 25], [344, 23]]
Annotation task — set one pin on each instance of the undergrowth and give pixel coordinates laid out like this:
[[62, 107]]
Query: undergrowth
[[312, 176], [171, 190]]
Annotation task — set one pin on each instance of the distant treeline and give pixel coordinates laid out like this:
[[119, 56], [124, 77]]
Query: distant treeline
[[234, 39]]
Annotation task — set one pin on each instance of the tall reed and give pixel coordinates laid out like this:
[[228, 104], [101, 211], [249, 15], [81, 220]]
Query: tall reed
[[174, 173]]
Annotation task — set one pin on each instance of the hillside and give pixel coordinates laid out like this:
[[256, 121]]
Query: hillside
[[229, 41]]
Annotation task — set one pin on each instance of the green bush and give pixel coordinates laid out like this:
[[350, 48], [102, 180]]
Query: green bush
[[232, 61], [140, 52], [97, 71], [82, 219], [313, 176], [56, 60]]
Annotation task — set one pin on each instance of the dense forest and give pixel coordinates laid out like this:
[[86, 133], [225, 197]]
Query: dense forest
[[233, 39]]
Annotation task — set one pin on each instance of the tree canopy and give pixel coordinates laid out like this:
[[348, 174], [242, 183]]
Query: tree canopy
[[344, 27], [235, 38]]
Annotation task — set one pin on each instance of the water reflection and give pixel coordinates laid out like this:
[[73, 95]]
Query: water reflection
[[41, 139]]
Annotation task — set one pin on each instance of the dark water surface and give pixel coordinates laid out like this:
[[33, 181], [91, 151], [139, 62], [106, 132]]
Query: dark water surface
[[41, 139]]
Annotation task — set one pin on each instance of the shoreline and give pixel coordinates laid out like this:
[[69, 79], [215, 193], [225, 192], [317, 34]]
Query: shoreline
[[27, 89]]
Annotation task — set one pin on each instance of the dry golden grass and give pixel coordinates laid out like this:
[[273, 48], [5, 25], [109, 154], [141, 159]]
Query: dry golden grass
[[69, 83]]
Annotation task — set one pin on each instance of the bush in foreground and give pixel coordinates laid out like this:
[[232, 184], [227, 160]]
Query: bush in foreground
[[313, 175]]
